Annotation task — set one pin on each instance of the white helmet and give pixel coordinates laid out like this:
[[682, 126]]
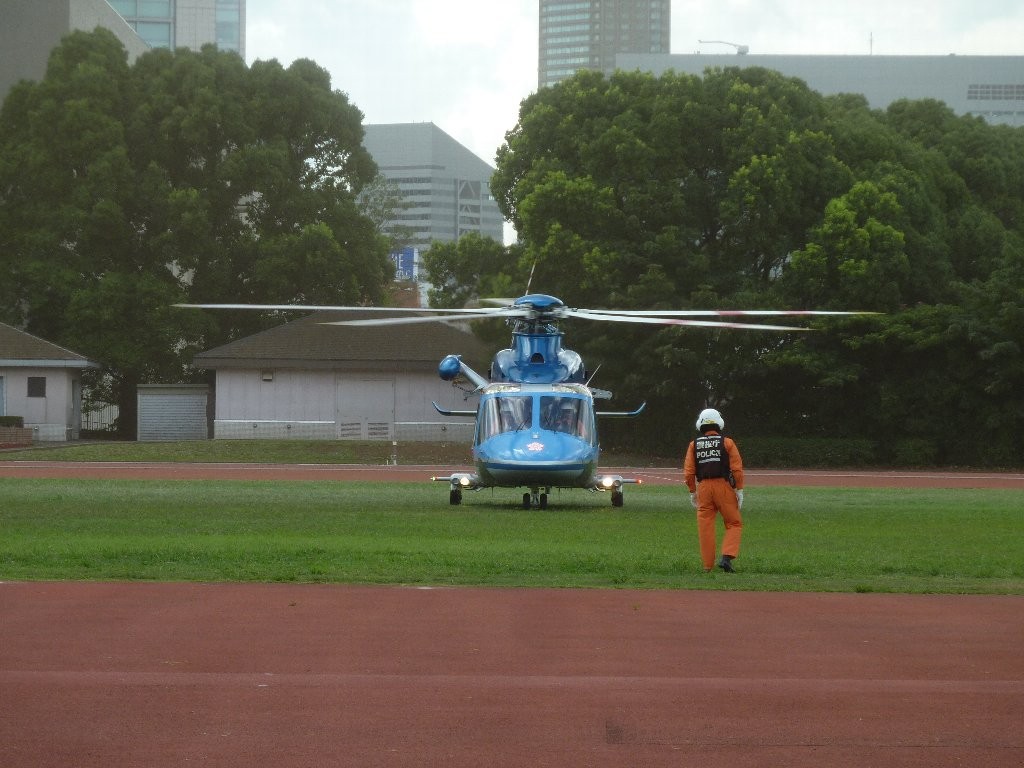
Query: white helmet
[[708, 417]]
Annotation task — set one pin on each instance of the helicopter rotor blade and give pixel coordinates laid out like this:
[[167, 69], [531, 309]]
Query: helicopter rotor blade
[[464, 316], [319, 308], [498, 302], [721, 312], [550, 310], [586, 315]]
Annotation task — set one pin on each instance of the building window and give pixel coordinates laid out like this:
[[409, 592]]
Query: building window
[[995, 92], [156, 34], [228, 35], [125, 7], [36, 386], [155, 9]]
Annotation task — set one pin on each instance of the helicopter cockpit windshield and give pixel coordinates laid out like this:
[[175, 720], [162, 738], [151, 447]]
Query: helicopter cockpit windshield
[[512, 413], [571, 415]]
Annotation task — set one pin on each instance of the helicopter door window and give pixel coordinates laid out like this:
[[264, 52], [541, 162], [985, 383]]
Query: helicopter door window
[[489, 421], [585, 423]]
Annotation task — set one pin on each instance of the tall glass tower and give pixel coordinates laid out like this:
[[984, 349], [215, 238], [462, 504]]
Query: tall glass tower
[[587, 34], [187, 23]]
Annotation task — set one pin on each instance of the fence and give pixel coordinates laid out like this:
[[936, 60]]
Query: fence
[[101, 418], [434, 431]]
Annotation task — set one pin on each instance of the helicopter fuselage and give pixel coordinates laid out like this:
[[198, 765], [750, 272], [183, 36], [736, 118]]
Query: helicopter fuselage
[[536, 435]]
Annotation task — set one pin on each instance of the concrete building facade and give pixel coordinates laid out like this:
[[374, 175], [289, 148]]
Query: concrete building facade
[[31, 29], [445, 187], [588, 34], [991, 87]]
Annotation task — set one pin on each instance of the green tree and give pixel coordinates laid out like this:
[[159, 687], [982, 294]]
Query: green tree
[[185, 177], [746, 189], [381, 201], [474, 267]]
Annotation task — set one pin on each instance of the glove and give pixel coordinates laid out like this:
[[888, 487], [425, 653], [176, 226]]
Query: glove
[[693, 500], [739, 498]]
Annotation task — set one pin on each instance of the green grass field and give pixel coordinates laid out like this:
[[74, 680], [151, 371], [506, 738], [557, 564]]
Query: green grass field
[[247, 451], [795, 539]]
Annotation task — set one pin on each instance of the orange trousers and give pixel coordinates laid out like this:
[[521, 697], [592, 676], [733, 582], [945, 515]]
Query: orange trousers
[[715, 496]]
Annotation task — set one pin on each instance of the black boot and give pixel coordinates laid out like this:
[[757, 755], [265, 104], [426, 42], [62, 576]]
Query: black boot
[[726, 564]]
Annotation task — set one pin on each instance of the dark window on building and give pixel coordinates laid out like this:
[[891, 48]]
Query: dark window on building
[[37, 386]]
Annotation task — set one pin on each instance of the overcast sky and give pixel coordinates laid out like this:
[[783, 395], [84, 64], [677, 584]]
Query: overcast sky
[[466, 64]]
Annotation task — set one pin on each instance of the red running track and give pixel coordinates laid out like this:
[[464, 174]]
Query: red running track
[[153, 675], [413, 473]]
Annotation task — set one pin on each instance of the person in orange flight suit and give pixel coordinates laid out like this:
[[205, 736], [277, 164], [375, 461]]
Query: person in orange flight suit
[[713, 471]]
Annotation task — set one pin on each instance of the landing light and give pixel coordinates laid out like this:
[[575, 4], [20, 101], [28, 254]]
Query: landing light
[[607, 481], [464, 480]]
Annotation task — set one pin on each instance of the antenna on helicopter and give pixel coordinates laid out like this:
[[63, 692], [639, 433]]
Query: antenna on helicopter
[[529, 280], [741, 50]]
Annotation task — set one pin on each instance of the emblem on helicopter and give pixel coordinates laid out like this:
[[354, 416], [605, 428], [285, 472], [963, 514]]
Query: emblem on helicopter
[[536, 423]]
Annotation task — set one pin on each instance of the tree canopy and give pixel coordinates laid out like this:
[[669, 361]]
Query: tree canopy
[[185, 177], [745, 189]]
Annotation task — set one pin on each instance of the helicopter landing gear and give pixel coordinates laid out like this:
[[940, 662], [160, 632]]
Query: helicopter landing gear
[[617, 498], [455, 497], [536, 499]]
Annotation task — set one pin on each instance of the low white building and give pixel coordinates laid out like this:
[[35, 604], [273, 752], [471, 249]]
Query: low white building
[[42, 383], [313, 381]]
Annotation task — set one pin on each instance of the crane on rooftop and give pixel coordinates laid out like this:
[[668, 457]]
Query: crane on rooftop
[[740, 49]]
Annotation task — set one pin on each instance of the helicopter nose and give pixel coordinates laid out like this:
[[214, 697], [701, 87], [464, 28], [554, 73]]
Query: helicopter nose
[[548, 447]]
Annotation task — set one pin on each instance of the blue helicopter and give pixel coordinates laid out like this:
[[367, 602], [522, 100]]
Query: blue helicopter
[[536, 423]]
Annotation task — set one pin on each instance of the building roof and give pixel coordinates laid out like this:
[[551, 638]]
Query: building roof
[[308, 343], [21, 349]]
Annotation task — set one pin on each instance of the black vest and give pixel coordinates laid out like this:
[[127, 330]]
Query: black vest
[[711, 456]]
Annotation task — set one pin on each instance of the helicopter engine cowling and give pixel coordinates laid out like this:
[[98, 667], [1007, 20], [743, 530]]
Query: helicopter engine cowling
[[538, 359]]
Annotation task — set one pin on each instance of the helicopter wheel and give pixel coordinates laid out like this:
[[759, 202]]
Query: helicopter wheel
[[617, 498], [455, 497], [526, 501]]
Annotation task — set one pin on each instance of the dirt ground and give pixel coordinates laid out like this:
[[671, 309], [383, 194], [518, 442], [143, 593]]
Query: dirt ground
[[133, 674]]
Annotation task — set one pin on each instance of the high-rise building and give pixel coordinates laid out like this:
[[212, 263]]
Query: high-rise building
[[30, 29], [446, 189], [187, 23], [588, 34]]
